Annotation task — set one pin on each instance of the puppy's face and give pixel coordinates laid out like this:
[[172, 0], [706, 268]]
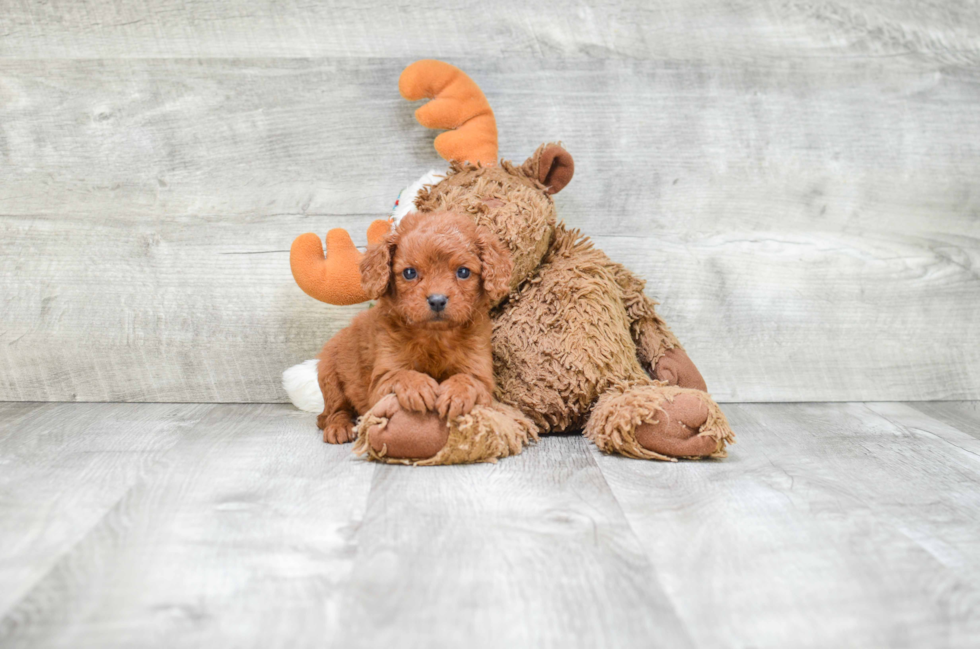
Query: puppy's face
[[437, 270]]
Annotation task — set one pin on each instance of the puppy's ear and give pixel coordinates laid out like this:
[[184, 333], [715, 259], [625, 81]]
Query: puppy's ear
[[376, 267], [497, 265]]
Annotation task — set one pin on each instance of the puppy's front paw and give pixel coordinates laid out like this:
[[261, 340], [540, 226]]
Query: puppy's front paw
[[339, 433], [337, 427], [459, 394], [416, 392]]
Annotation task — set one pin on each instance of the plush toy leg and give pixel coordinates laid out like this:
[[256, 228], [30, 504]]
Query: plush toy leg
[[389, 434], [659, 422], [659, 351]]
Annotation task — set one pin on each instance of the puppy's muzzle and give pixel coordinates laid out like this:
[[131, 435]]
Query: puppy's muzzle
[[437, 302]]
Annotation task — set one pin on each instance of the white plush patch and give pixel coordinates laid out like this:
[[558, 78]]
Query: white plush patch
[[406, 199], [300, 383]]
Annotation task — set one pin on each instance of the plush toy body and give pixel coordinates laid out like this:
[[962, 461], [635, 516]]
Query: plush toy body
[[576, 343]]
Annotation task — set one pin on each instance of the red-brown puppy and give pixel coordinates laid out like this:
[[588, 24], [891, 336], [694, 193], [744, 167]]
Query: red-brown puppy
[[427, 340]]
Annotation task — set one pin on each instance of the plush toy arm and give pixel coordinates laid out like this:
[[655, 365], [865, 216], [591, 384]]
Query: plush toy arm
[[489, 432], [659, 351], [334, 279]]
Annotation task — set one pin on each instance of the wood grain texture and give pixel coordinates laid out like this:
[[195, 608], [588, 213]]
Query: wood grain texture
[[962, 415], [829, 525], [240, 536], [148, 525], [688, 30], [797, 181], [13, 412], [63, 467], [531, 552]]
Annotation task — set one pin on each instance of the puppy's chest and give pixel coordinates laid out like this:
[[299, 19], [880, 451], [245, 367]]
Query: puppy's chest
[[435, 355]]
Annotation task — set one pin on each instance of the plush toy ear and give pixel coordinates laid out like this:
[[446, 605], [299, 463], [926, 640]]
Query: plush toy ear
[[375, 267], [497, 265], [552, 166]]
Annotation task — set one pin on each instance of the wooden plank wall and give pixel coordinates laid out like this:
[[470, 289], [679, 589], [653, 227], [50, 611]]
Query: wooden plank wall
[[800, 182]]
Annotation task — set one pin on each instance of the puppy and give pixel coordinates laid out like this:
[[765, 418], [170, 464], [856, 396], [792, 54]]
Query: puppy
[[427, 340]]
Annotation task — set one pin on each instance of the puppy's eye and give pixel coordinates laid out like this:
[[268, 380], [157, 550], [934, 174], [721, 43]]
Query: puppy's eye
[[463, 272], [409, 273]]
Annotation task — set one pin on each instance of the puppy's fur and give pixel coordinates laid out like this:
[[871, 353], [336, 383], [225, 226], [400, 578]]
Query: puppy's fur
[[430, 360]]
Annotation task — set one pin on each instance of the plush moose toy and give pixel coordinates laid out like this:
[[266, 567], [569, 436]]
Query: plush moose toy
[[576, 344]]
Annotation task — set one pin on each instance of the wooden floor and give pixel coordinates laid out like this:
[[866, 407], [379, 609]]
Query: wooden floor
[[849, 524]]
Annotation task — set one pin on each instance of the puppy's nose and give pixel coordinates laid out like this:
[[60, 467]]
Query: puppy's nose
[[437, 302]]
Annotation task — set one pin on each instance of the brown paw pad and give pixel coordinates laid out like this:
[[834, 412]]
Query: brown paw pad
[[676, 368], [675, 433], [411, 435]]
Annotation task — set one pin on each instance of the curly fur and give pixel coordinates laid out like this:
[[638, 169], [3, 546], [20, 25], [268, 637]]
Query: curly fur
[[577, 345], [430, 359]]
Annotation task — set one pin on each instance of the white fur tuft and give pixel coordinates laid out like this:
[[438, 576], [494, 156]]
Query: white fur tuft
[[300, 383], [406, 199]]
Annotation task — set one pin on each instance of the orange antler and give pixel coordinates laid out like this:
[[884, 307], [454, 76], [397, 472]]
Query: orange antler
[[336, 278], [457, 103]]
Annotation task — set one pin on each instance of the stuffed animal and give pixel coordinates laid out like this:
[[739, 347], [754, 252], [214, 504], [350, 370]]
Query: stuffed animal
[[577, 345]]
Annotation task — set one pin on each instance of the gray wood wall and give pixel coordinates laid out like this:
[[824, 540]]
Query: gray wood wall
[[799, 181]]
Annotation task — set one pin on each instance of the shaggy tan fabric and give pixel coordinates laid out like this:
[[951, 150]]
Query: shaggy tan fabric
[[576, 341], [564, 336], [651, 334], [622, 409], [484, 435]]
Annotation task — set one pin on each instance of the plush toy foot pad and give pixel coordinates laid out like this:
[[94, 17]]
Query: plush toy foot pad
[[394, 433], [676, 431], [659, 422], [486, 434], [411, 435], [676, 368]]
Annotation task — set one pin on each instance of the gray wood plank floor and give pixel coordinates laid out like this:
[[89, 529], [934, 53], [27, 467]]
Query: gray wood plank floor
[[849, 524]]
